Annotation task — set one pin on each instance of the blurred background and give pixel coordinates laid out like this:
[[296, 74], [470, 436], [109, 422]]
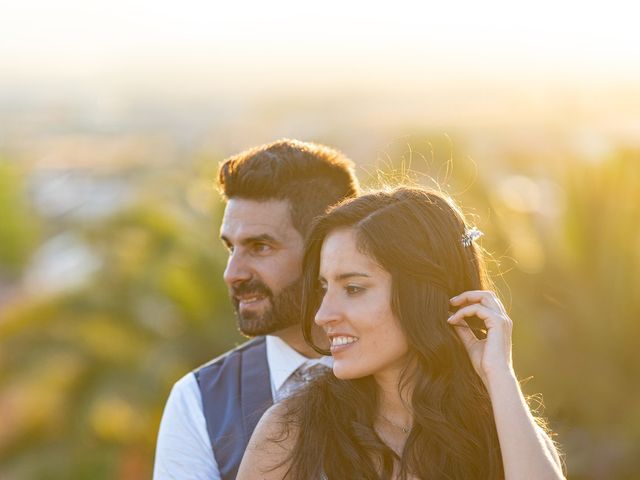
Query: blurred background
[[114, 117]]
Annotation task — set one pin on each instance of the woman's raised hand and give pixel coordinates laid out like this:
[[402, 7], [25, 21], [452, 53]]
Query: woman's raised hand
[[490, 356]]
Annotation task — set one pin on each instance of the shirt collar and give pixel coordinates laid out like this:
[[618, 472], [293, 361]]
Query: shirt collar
[[284, 360]]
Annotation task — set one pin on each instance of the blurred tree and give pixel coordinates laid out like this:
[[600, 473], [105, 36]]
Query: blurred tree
[[573, 284], [84, 374], [19, 227]]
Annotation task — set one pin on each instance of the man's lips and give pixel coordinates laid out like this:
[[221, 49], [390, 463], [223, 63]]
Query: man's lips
[[249, 299]]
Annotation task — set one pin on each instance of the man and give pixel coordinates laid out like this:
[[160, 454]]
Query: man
[[273, 193]]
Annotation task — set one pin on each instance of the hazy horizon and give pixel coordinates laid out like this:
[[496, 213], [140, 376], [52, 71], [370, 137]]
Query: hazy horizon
[[202, 48]]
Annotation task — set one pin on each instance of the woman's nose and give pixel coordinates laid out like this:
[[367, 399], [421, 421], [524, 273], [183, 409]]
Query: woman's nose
[[327, 313]]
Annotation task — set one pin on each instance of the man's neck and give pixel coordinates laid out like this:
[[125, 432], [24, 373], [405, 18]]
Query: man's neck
[[293, 337]]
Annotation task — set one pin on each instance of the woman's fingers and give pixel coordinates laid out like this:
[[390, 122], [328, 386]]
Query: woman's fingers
[[465, 334], [492, 355], [484, 297], [490, 317]]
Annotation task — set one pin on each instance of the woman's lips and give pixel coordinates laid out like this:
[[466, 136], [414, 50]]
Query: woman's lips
[[340, 343]]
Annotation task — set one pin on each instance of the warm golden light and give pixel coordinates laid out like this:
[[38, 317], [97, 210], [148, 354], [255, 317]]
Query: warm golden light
[[114, 116], [126, 41]]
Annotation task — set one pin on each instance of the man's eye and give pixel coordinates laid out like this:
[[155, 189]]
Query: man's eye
[[261, 247]]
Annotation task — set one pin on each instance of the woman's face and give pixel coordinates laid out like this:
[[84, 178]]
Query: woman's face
[[356, 311]]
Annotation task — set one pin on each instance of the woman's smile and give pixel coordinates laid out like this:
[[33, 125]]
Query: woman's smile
[[340, 343]]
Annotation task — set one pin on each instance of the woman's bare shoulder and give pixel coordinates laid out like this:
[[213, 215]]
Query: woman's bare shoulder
[[276, 427], [267, 454]]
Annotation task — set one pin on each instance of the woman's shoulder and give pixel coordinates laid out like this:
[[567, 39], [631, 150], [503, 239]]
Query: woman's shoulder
[[276, 429], [268, 451], [271, 451], [277, 424]]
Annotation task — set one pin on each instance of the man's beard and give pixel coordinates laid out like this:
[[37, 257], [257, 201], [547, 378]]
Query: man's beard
[[283, 311]]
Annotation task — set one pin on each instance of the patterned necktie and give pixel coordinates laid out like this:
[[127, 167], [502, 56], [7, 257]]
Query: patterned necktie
[[300, 377]]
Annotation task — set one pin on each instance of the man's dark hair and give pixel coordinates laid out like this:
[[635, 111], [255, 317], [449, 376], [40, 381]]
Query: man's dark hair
[[310, 176]]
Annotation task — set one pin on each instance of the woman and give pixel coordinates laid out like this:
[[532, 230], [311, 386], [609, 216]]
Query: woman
[[422, 385]]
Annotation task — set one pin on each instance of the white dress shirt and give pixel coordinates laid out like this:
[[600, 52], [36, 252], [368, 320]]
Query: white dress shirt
[[184, 449]]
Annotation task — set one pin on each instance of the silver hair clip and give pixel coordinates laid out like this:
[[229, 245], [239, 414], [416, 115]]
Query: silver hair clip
[[470, 235]]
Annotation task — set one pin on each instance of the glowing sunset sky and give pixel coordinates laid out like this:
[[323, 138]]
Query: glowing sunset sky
[[210, 43]]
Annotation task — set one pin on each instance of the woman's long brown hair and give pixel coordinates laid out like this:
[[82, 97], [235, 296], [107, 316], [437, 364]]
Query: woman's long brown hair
[[415, 235]]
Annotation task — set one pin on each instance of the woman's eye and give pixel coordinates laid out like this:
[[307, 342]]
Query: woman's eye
[[353, 289], [322, 290]]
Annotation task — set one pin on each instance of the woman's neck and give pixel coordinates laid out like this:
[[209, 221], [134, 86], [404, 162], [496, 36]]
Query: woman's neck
[[394, 405]]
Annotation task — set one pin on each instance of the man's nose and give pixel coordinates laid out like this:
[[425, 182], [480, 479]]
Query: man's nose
[[237, 269]]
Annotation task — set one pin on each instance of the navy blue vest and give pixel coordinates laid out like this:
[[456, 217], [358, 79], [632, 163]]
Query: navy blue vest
[[236, 391]]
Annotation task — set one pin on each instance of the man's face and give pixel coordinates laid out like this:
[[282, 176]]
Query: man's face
[[264, 266]]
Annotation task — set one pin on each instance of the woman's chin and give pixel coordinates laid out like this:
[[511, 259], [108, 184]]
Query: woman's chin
[[345, 373]]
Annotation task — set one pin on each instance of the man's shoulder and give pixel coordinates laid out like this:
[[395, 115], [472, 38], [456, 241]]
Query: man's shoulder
[[231, 357]]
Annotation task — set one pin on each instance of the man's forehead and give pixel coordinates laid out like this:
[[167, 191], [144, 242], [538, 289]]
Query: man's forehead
[[244, 217]]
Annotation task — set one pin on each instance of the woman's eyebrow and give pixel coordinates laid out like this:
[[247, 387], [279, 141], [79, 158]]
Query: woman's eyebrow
[[344, 276]]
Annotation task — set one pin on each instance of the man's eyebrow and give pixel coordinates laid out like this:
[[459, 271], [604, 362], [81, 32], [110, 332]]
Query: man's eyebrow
[[264, 237]]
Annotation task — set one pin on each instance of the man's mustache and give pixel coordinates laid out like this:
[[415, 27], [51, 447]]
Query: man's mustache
[[251, 287]]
